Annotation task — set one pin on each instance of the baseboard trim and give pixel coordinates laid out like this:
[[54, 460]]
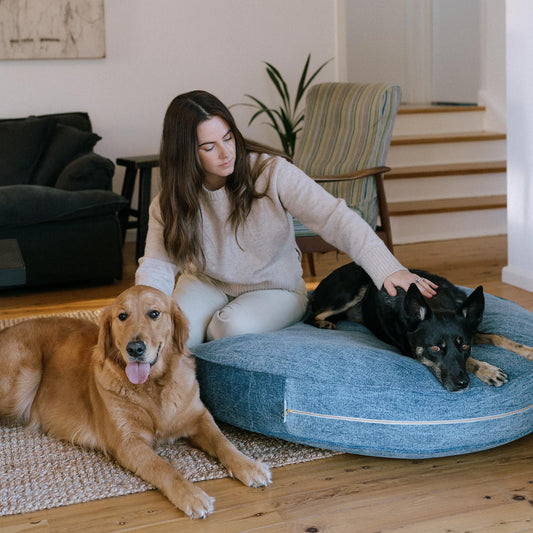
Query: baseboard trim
[[518, 278]]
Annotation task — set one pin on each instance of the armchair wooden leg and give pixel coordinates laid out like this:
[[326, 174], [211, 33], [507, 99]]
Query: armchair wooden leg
[[384, 212], [311, 263]]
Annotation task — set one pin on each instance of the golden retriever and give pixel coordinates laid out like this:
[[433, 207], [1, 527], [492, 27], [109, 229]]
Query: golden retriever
[[122, 388]]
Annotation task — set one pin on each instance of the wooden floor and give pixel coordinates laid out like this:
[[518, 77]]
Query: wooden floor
[[491, 491]]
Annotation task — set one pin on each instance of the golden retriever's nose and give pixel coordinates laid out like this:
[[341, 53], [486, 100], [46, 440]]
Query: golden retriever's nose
[[136, 349]]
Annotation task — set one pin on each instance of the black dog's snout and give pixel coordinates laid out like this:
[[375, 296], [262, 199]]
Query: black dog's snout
[[136, 348], [462, 383], [459, 383]]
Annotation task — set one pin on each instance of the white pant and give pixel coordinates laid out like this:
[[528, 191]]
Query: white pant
[[212, 314]]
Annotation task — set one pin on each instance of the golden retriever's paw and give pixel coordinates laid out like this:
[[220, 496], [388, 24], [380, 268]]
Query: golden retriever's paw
[[253, 474], [194, 502], [490, 374]]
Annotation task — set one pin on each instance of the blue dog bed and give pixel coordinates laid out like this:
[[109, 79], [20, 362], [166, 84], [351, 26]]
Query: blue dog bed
[[346, 390]]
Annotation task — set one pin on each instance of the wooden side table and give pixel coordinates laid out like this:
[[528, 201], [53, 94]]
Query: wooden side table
[[141, 165]]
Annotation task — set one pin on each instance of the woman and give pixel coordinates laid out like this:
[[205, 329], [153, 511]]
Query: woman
[[223, 221]]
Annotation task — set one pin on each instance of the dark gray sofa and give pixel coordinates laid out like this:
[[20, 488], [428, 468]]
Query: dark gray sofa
[[56, 200]]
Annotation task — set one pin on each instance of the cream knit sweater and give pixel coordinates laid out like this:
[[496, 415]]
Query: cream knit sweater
[[266, 255]]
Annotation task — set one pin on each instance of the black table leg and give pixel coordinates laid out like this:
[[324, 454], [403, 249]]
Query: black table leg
[[145, 186]]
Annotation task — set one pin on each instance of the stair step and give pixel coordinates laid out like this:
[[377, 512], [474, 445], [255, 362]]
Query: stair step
[[413, 109], [427, 119], [469, 136], [447, 205], [454, 150], [446, 169], [438, 226]]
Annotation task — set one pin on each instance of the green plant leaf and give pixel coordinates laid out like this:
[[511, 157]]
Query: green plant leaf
[[300, 91], [255, 115], [284, 119], [280, 84], [263, 109], [303, 84]]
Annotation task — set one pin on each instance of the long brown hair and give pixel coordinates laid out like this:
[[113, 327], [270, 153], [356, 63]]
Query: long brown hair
[[182, 175]]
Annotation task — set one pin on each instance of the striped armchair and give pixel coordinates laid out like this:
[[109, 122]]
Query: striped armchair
[[343, 145]]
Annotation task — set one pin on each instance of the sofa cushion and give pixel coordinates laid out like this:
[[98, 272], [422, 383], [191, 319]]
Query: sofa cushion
[[346, 390], [75, 119], [24, 205], [22, 142], [65, 145], [89, 171]]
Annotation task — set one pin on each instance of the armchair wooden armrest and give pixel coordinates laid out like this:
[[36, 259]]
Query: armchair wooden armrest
[[363, 173]]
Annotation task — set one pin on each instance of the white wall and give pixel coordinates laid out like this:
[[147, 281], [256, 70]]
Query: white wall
[[519, 271], [159, 48], [456, 51], [493, 84], [392, 40], [376, 41]]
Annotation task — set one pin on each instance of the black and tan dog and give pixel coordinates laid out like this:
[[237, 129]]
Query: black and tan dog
[[438, 332]]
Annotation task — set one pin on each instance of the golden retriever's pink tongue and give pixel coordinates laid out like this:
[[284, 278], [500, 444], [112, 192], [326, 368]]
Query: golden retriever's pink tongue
[[138, 372]]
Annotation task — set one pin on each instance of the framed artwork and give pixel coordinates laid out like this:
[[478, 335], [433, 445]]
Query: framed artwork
[[52, 29]]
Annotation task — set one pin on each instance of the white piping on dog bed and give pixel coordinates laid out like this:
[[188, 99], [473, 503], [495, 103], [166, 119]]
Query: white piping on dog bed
[[289, 411]]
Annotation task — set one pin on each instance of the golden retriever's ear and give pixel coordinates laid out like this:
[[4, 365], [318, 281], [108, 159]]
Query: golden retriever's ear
[[105, 339], [180, 324]]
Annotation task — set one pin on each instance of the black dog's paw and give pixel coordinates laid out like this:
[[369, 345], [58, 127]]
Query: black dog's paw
[[498, 378], [324, 324], [490, 374]]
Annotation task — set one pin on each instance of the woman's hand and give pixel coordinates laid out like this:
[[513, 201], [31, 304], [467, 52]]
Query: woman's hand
[[404, 278]]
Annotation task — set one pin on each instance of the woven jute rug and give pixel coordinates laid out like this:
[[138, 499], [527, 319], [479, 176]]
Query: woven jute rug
[[38, 472]]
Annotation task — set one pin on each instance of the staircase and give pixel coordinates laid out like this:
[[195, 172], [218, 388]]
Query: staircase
[[448, 177]]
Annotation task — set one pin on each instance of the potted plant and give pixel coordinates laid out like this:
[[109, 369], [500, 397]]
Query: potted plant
[[286, 118]]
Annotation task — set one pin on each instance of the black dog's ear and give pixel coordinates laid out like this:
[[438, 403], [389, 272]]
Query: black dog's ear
[[415, 306], [473, 307]]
